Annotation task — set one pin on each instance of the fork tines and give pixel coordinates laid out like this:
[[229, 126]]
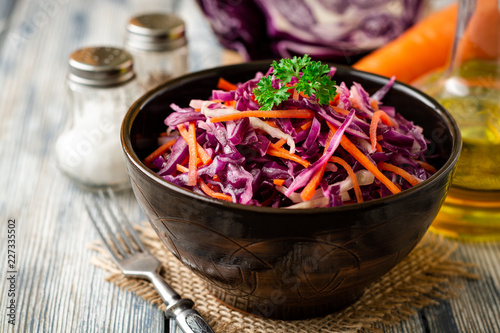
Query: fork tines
[[106, 214]]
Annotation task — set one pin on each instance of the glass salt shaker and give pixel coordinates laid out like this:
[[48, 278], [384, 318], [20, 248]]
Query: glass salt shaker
[[102, 86], [158, 44]]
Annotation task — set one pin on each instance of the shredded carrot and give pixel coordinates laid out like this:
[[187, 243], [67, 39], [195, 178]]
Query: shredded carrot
[[278, 144], [216, 178], [202, 153], [208, 191], [159, 151], [214, 187], [303, 95], [183, 132], [400, 172], [378, 147], [193, 155], [336, 99], [181, 168], [374, 104], [283, 153], [230, 103], [340, 110], [300, 113], [350, 172], [377, 116], [364, 161], [427, 166], [226, 85], [309, 190], [306, 125], [278, 182], [382, 116], [193, 150]]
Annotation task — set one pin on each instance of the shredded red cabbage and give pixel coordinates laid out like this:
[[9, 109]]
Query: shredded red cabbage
[[243, 169]]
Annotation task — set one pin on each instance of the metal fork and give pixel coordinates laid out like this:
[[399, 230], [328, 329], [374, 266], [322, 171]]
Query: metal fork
[[134, 260]]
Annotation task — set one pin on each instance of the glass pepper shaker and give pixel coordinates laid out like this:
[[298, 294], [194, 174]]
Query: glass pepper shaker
[[158, 44], [102, 86]]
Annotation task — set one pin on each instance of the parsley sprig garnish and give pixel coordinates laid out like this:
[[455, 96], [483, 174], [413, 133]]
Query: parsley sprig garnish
[[310, 79]]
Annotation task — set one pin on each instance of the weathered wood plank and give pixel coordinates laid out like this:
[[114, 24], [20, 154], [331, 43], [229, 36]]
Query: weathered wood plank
[[57, 288]]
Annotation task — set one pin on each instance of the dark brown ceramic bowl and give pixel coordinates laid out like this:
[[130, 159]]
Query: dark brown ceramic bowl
[[282, 263]]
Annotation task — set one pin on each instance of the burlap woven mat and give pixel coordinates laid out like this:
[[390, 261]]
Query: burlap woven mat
[[424, 277]]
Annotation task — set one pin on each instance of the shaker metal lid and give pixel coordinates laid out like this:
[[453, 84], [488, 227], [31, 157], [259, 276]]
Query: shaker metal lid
[[100, 66], [155, 32]]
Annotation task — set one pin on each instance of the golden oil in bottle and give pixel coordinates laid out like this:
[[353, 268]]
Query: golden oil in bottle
[[472, 209]]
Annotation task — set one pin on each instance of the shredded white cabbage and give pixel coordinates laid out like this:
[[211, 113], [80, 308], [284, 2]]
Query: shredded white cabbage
[[364, 177], [210, 113], [295, 197], [365, 144], [274, 132]]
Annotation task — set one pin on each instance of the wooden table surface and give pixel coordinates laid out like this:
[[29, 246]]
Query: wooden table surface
[[52, 284]]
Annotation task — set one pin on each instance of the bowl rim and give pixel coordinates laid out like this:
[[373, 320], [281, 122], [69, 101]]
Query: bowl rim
[[136, 107]]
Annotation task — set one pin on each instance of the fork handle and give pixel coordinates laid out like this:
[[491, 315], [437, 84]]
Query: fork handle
[[188, 319], [167, 294]]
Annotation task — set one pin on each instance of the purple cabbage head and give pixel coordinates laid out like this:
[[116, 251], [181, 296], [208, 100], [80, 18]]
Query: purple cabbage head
[[331, 30]]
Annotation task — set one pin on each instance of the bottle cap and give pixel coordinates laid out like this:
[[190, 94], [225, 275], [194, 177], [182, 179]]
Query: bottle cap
[[101, 66], [155, 32]]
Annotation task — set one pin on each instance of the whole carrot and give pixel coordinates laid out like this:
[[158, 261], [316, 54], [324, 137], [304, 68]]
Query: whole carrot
[[480, 38], [420, 49]]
